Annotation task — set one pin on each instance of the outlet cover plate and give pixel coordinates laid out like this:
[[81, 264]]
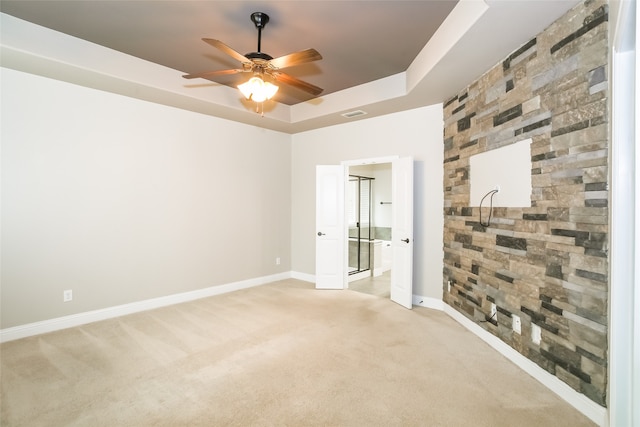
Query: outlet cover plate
[[517, 326], [536, 334]]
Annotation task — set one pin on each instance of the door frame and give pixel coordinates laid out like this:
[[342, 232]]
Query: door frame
[[624, 298]]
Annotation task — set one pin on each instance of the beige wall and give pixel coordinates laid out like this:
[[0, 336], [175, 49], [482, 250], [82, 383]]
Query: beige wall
[[122, 200], [416, 133]]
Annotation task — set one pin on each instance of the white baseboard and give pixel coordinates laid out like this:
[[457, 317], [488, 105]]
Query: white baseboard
[[37, 328], [582, 403], [436, 304], [303, 276]]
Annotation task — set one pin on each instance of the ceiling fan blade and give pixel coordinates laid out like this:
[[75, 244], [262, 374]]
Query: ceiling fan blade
[[304, 56], [293, 81], [207, 74], [226, 49]]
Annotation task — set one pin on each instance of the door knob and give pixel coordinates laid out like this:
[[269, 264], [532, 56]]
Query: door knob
[[405, 240], [320, 233]]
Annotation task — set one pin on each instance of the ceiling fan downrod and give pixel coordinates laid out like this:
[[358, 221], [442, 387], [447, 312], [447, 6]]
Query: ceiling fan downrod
[[260, 19]]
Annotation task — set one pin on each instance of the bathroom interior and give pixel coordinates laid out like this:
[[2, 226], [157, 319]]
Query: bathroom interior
[[369, 218]]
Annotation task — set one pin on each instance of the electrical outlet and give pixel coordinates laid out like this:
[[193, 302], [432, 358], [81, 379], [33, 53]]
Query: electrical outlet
[[536, 334], [517, 326], [494, 309], [278, 261], [67, 295], [497, 188], [449, 286]]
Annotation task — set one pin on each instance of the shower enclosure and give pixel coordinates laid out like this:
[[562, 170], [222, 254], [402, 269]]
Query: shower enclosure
[[360, 227]]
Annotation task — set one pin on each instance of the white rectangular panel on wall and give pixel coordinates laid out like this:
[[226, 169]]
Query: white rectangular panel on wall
[[508, 168]]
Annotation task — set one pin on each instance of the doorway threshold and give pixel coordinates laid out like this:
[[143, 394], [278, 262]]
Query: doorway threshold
[[359, 275]]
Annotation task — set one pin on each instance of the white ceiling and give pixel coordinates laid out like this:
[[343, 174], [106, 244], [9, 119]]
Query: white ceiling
[[378, 56]]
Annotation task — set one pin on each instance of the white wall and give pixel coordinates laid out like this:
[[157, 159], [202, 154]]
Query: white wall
[[624, 308], [383, 193], [381, 214], [416, 133], [122, 200], [512, 178]]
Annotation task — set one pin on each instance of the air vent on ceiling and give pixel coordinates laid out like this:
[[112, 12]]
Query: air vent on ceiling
[[352, 114]]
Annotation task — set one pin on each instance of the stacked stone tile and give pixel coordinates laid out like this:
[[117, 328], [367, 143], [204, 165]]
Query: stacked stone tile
[[547, 263]]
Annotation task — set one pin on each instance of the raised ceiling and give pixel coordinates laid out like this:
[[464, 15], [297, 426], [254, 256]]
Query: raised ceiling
[[378, 56]]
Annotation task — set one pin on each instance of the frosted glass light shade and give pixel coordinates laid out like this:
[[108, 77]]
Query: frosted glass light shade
[[258, 90]]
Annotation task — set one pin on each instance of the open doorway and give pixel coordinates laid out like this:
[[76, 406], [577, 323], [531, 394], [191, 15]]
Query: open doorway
[[369, 220], [331, 229]]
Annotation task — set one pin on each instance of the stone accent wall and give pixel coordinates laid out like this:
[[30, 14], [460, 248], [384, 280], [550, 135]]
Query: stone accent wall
[[548, 264]]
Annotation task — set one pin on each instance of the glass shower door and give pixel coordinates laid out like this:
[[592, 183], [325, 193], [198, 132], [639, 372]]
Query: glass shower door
[[360, 227]]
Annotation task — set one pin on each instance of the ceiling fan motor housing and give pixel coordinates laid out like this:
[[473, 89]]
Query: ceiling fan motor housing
[[259, 55]]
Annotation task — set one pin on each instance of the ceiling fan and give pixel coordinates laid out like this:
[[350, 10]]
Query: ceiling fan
[[262, 64]]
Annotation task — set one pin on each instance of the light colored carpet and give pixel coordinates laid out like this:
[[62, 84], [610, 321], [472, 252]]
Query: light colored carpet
[[282, 354]]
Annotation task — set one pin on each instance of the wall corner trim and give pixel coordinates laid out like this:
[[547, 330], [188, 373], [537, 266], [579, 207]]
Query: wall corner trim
[[51, 325], [587, 407]]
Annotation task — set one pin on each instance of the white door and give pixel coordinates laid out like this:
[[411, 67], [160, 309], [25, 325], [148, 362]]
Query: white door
[[402, 231], [330, 229]]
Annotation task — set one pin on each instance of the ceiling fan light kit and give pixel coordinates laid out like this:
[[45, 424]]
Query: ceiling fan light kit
[[258, 88]]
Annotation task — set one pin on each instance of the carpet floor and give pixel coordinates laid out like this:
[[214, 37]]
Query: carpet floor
[[282, 354]]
